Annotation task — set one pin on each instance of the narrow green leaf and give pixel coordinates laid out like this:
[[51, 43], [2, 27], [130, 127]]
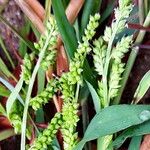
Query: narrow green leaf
[[41, 80], [137, 130], [135, 143], [55, 144], [24, 31], [109, 9], [66, 30], [6, 134], [27, 42], [69, 37], [41, 84], [95, 97], [6, 53], [11, 88], [142, 87], [2, 110], [108, 122], [13, 96], [4, 69], [4, 92], [48, 5]]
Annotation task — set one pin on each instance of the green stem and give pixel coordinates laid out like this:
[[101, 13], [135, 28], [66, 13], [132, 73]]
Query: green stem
[[146, 7], [31, 83], [142, 33], [48, 10], [77, 92], [141, 11], [106, 67]]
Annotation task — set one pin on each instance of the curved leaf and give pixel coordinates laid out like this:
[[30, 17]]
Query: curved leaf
[[13, 96], [95, 97], [135, 143], [11, 88], [142, 87], [113, 119], [67, 31], [137, 130], [6, 134]]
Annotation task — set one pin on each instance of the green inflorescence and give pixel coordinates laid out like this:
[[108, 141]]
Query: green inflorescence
[[45, 139], [49, 58], [117, 68], [27, 67], [15, 118], [117, 52], [68, 83], [45, 95], [99, 56]]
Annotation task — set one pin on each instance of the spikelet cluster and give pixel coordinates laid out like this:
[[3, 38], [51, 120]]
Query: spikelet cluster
[[119, 23], [49, 58], [68, 83], [46, 137], [99, 56], [15, 118], [117, 68], [45, 95], [27, 67], [102, 45]]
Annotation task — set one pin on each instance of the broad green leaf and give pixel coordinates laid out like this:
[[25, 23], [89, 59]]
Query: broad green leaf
[[142, 87], [4, 92], [137, 130], [2, 110], [13, 96], [6, 134], [113, 119], [66, 30], [27, 42], [135, 143], [95, 97]]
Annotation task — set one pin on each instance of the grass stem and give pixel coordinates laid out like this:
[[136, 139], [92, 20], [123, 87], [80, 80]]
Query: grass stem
[[31, 83]]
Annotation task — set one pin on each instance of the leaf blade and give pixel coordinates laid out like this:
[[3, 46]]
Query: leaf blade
[[135, 143], [66, 30], [13, 96], [95, 97], [142, 87], [137, 130], [107, 121], [6, 134]]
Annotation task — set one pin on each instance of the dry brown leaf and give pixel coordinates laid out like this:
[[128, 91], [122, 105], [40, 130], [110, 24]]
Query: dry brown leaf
[[146, 143], [29, 12], [37, 8]]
